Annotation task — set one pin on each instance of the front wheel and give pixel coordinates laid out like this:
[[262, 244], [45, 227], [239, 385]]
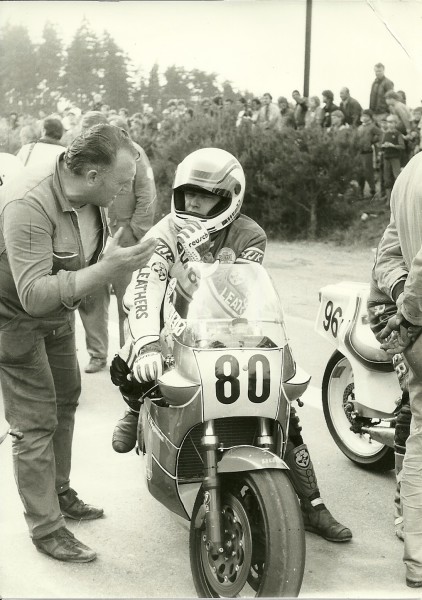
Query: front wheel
[[264, 539], [338, 397]]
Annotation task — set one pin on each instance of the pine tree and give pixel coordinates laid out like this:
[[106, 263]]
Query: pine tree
[[176, 86], [50, 61], [18, 80], [116, 77], [82, 69], [154, 88]]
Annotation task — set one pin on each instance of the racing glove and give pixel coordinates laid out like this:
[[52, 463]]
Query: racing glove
[[148, 365], [194, 240], [121, 376]]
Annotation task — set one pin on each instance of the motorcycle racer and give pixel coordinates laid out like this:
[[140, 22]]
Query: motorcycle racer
[[204, 224]]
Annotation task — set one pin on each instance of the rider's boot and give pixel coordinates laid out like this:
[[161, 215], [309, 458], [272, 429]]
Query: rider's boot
[[125, 432], [316, 516]]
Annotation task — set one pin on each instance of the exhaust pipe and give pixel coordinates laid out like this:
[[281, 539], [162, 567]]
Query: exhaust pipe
[[384, 435]]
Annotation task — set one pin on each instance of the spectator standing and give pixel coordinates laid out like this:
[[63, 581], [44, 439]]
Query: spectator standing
[[269, 113], [392, 143], [328, 108], [13, 141], [379, 88], [46, 148], [42, 279], [350, 108], [369, 135], [313, 115], [402, 96], [404, 121], [300, 109], [286, 117], [256, 107], [402, 112], [73, 126], [134, 210], [205, 108]]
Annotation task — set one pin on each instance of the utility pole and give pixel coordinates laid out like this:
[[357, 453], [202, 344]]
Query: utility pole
[[307, 48]]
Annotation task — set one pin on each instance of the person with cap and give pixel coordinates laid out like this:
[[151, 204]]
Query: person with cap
[[52, 236], [205, 224]]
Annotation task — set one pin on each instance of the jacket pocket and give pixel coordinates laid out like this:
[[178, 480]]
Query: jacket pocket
[[65, 260]]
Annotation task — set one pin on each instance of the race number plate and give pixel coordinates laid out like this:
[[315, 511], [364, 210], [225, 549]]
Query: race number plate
[[337, 302], [240, 382]]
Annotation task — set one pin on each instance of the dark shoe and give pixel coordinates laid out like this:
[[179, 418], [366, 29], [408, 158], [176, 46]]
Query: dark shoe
[[95, 365], [413, 584], [73, 508], [319, 520], [124, 434], [61, 544]]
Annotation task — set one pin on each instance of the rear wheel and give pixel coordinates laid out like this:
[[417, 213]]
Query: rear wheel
[[264, 541], [338, 397]]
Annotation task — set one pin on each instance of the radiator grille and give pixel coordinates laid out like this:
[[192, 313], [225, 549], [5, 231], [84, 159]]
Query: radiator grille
[[231, 432]]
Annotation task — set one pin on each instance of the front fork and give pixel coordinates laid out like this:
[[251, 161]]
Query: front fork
[[211, 507]]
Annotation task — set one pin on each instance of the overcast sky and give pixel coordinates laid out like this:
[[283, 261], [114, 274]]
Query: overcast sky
[[256, 44]]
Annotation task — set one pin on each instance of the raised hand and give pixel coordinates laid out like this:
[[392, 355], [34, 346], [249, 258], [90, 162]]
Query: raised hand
[[194, 240]]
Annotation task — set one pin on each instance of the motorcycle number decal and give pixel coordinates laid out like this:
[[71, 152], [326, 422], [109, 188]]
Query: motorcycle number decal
[[227, 386], [240, 382], [333, 317]]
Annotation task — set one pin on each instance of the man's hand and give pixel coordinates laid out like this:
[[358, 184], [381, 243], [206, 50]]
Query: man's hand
[[148, 366], [128, 259], [193, 240], [397, 336]]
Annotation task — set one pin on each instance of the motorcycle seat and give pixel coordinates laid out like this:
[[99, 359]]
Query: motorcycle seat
[[362, 343]]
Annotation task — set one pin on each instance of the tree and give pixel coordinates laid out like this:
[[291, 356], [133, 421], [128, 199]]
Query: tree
[[154, 88], [176, 86], [18, 80], [50, 61], [82, 68], [115, 81], [203, 84]]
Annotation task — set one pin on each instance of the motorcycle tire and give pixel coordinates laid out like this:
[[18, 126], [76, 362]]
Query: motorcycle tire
[[264, 539], [337, 385]]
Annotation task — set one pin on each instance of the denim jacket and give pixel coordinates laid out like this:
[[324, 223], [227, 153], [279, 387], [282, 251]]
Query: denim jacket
[[40, 250]]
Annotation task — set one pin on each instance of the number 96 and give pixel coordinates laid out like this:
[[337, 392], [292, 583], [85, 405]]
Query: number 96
[[332, 318]]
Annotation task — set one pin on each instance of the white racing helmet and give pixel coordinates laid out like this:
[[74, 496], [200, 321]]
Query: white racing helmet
[[214, 171], [10, 165]]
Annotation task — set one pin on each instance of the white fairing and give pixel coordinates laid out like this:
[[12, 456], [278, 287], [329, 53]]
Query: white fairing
[[343, 307]]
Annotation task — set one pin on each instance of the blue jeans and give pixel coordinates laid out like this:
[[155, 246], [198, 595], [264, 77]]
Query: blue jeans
[[40, 380]]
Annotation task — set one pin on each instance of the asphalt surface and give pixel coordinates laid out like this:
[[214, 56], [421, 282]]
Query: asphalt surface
[[143, 550]]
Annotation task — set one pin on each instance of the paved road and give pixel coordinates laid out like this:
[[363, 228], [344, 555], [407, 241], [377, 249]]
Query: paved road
[[143, 550]]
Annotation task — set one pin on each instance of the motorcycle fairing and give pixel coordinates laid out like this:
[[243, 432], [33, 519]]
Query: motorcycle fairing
[[240, 382]]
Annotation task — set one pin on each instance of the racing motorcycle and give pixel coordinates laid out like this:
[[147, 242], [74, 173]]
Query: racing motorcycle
[[213, 431], [360, 391]]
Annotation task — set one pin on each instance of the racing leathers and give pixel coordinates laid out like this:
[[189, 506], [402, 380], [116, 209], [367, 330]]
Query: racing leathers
[[241, 241]]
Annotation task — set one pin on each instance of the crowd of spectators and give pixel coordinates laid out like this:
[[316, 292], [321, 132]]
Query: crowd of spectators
[[382, 152]]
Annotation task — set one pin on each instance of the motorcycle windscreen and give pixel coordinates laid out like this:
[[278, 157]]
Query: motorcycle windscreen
[[212, 306], [230, 316]]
